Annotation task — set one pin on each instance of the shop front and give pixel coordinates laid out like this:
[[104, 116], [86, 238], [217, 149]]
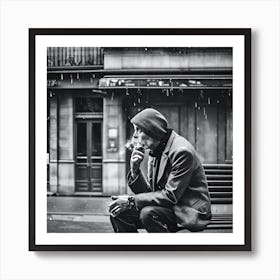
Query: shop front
[[89, 122]]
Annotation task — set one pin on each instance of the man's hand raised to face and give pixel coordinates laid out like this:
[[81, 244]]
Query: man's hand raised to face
[[137, 157]]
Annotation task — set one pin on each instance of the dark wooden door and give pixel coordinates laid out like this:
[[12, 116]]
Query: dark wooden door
[[88, 156]]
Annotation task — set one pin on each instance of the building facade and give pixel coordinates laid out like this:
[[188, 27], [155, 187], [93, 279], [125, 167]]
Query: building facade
[[94, 92]]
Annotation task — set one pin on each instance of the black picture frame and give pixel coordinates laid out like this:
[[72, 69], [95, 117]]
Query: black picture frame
[[246, 33]]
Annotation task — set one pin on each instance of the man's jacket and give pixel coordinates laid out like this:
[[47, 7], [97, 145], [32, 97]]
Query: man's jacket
[[181, 185]]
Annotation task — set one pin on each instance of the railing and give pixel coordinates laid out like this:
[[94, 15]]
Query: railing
[[74, 56]]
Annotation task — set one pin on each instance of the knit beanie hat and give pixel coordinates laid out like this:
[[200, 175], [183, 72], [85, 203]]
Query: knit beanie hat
[[152, 122]]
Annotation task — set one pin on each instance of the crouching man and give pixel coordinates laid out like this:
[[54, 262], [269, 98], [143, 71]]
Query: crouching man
[[175, 194]]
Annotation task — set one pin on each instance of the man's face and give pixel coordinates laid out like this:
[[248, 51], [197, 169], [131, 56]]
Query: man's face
[[144, 139]]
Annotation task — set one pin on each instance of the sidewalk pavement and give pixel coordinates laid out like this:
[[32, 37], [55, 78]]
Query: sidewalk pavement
[[78, 214], [87, 214], [79, 205]]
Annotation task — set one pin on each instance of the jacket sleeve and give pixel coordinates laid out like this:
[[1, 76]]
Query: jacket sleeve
[[177, 182], [139, 184]]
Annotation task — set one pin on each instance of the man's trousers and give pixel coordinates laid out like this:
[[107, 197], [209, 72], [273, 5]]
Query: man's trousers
[[151, 218]]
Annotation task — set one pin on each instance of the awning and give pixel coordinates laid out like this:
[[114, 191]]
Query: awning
[[166, 81]]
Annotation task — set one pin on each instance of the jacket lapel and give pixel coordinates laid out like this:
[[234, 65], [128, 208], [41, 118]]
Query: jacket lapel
[[150, 169], [164, 157]]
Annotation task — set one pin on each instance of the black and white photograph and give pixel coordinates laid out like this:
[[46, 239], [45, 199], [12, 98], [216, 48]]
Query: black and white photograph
[[139, 140], [140, 132]]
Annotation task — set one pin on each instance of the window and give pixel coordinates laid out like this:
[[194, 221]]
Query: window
[[89, 105]]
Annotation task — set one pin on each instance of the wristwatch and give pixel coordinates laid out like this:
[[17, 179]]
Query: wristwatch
[[131, 202]]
